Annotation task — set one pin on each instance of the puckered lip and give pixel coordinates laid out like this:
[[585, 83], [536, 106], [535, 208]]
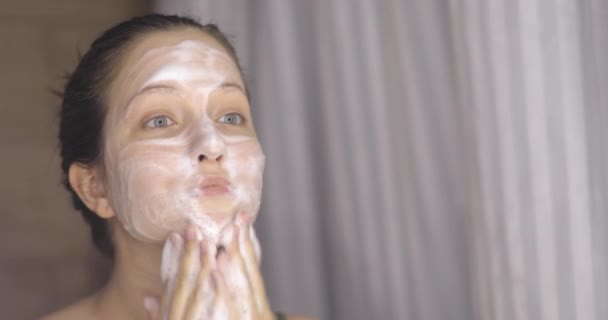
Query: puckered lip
[[214, 185]]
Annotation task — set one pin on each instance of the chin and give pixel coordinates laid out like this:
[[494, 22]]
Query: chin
[[220, 209]]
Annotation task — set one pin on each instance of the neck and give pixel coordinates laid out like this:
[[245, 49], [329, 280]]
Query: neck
[[136, 274]]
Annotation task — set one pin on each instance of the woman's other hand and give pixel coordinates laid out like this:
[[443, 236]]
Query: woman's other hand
[[240, 273]]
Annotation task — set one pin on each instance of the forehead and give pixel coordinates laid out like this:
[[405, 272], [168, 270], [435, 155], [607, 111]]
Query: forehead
[[187, 49], [163, 55], [159, 41]]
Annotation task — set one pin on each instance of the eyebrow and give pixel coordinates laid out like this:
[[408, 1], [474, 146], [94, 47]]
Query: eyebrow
[[147, 89], [233, 85], [171, 87]]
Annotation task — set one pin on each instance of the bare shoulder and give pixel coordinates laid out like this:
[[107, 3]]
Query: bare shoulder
[[80, 310]]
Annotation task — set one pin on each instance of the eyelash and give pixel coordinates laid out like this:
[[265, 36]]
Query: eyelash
[[240, 119], [152, 123]]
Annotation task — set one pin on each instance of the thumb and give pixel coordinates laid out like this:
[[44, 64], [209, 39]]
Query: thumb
[[152, 305]]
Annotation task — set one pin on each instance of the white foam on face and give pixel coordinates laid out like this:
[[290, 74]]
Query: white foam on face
[[154, 183]]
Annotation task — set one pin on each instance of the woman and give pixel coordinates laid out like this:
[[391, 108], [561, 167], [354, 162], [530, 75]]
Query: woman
[[161, 157]]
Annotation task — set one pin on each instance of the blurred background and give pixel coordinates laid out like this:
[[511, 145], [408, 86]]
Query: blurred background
[[426, 159]]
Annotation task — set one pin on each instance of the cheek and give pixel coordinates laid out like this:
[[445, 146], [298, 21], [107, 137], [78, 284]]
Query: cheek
[[150, 191], [245, 165], [144, 178], [245, 162]]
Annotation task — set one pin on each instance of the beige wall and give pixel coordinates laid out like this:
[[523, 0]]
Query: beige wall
[[46, 256]]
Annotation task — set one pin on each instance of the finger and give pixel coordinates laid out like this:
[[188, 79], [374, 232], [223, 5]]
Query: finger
[[235, 253], [233, 272], [186, 274], [172, 252], [224, 298], [217, 300], [255, 244], [199, 302], [152, 305], [165, 299], [251, 264]]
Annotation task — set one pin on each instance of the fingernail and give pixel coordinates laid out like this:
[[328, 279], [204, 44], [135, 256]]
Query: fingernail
[[151, 304], [244, 218], [175, 240], [191, 233], [203, 247], [236, 230], [239, 219], [227, 235]]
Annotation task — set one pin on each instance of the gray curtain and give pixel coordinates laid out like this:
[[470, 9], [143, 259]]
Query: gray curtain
[[429, 159]]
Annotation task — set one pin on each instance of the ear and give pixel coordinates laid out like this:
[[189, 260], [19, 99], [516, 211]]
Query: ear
[[88, 184]]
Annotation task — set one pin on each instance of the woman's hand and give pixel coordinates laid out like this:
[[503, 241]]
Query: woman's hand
[[201, 284], [240, 274]]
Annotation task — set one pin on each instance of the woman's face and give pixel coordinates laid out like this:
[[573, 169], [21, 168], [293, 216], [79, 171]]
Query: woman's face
[[180, 145]]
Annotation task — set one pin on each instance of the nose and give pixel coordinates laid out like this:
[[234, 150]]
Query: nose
[[210, 144]]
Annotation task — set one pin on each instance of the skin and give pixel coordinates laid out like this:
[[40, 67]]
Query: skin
[[175, 131], [194, 139]]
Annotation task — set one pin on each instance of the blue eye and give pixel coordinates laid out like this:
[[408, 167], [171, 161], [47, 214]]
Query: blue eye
[[232, 118], [159, 122]]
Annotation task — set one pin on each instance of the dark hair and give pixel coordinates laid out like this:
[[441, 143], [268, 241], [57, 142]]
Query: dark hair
[[83, 112]]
